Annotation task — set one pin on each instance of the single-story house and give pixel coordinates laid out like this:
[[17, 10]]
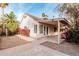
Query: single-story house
[[41, 26]]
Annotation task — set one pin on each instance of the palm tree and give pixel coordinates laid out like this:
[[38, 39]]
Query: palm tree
[[11, 23], [3, 6]]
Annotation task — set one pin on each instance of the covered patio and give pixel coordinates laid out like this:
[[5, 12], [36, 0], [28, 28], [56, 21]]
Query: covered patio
[[60, 24]]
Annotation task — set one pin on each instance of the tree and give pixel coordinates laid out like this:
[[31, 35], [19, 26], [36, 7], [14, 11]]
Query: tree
[[44, 15], [11, 23], [3, 6], [11, 15], [71, 10]]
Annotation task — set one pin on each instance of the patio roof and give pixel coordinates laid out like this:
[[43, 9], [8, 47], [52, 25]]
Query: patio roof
[[55, 23]]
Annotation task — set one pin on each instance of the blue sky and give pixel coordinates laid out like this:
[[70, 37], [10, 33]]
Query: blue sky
[[34, 8], [50, 9]]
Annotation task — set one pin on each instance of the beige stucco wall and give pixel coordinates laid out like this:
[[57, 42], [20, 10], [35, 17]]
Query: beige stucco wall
[[30, 25], [51, 30]]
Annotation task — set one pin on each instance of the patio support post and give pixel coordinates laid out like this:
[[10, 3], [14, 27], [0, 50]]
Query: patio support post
[[58, 41]]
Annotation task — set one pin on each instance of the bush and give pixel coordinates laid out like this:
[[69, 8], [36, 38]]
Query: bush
[[74, 36], [11, 25]]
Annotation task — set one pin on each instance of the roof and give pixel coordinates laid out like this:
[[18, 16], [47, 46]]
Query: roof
[[36, 18], [47, 21]]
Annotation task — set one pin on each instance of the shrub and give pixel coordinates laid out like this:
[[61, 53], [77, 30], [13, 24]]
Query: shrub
[[11, 25], [74, 36]]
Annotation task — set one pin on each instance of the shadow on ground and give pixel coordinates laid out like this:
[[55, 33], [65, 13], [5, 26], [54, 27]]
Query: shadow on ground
[[65, 47]]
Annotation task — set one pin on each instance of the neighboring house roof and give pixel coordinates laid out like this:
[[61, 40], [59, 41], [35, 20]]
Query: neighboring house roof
[[48, 21]]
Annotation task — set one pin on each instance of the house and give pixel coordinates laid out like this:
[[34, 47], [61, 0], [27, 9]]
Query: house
[[40, 26]]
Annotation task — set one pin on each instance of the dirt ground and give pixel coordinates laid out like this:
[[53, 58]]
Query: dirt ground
[[11, 41]]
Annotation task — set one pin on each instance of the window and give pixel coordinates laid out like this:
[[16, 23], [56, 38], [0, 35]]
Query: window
[[55, 29], [35, 28], [41, 28]]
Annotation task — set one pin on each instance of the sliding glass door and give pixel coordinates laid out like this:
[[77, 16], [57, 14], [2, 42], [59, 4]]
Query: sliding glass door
[[45, 32]]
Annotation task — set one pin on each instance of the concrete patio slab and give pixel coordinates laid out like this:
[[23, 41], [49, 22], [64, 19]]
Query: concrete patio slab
[[67, 48], [32, 49]]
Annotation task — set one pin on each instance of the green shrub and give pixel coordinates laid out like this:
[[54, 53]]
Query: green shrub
[[11, 25], [74, 36]]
